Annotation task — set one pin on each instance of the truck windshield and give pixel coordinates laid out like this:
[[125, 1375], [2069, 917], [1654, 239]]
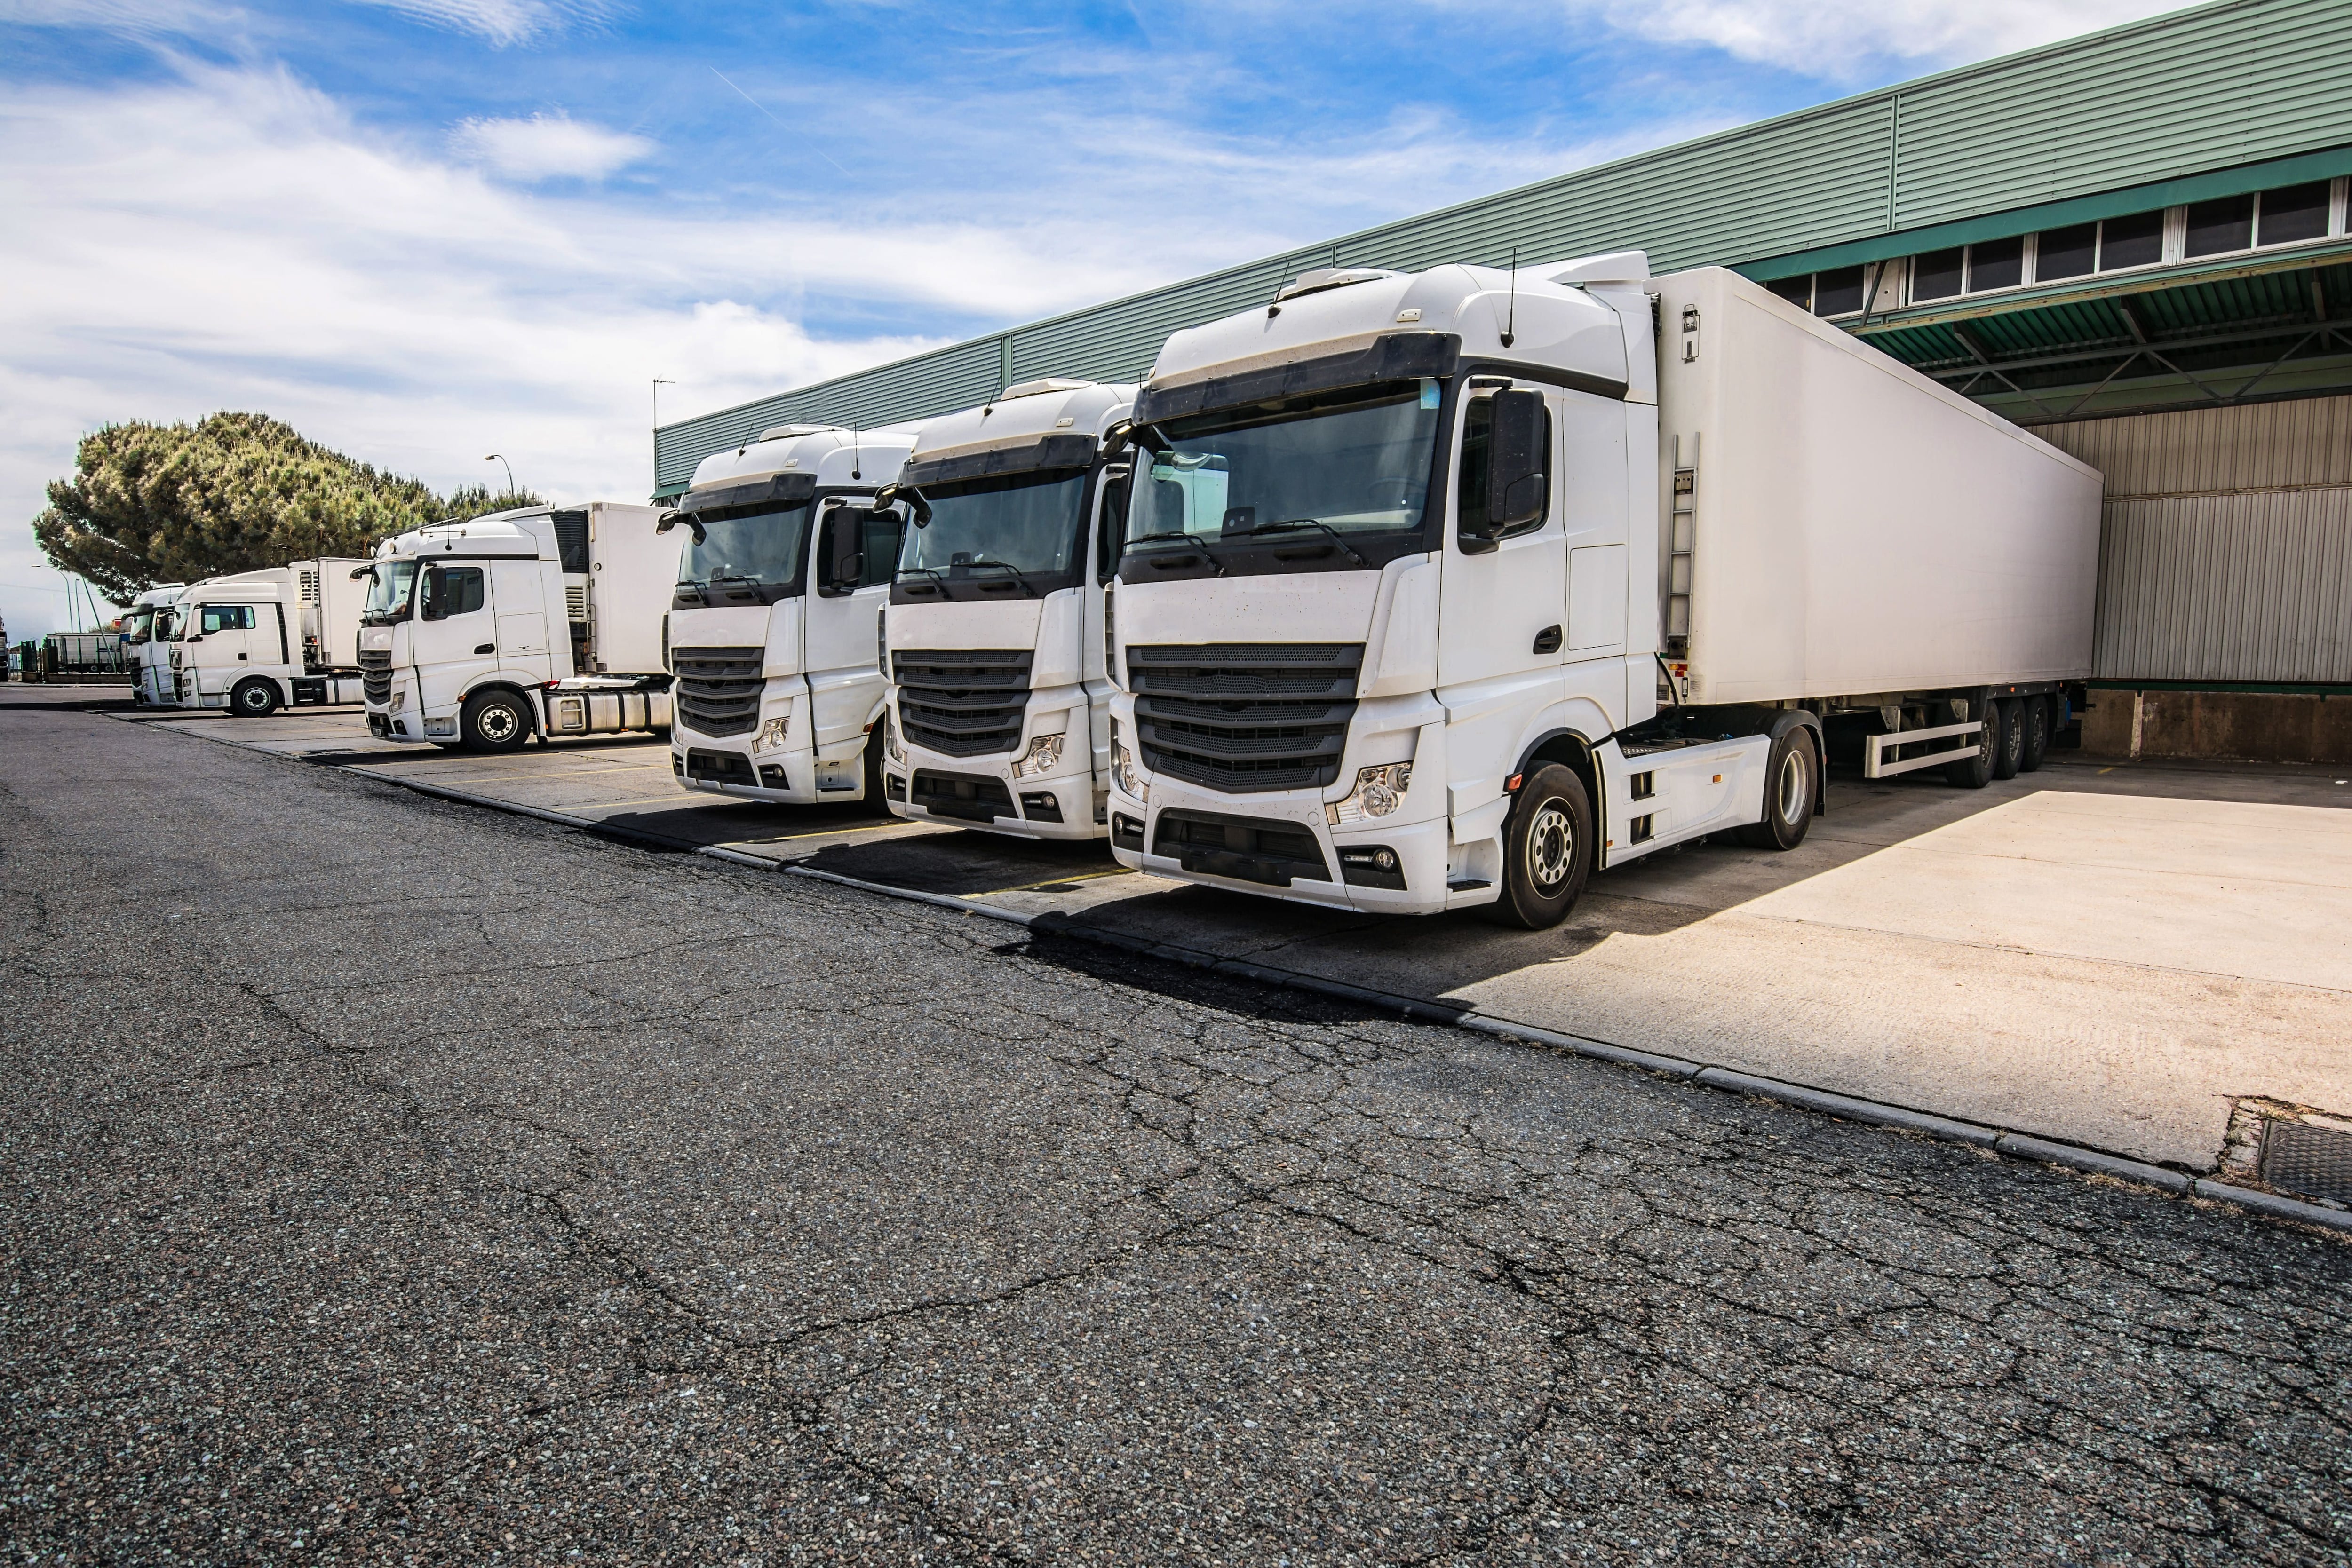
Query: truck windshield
[[1355, 463], [138, 625], [387, 595], [753, 547], [1010, 528]]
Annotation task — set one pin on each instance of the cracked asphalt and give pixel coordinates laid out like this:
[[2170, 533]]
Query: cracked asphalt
[[388, 1180]]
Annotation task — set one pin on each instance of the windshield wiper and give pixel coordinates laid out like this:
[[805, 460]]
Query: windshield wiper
[[1288, 523], [1193, 539], [932, 572], [1007, 566]]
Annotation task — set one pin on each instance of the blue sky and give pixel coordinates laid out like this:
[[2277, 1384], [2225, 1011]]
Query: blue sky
[[424, 230]]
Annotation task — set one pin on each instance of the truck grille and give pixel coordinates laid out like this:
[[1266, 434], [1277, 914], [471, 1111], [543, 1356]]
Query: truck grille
[[1245, 718], [375, 675], [964, 702], [717, 690]]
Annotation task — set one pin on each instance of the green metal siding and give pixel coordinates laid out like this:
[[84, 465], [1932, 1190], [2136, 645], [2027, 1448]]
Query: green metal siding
[[2199, 90]]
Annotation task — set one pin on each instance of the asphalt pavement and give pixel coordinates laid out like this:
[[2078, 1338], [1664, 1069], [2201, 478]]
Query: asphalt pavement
[[388, 1180]]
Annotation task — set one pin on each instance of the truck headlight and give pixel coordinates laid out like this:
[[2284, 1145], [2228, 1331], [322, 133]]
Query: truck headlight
[[1379, 791], [1044, 753], [772, 734], [399, 701], [1122, 773]]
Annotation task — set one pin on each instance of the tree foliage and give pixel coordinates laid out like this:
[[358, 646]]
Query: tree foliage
[[235, 492]]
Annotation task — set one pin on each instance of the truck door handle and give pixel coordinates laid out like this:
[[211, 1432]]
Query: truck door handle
[[241, 655], [1547, 640], [493, 647]]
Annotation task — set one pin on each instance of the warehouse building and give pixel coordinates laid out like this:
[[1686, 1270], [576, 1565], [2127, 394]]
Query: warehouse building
[[2134, 243]]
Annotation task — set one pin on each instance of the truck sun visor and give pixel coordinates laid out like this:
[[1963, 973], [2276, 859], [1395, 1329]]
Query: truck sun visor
[[788, 488], [1065, 450], [1394, 357]]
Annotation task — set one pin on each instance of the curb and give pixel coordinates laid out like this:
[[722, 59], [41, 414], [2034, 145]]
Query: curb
[[1997, 1140]]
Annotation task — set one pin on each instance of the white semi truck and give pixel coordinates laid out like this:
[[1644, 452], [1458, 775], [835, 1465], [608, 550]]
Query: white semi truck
[[146, 647], [1443, 590], [539, 620], [255, 641], [993, 637], [780, 580]]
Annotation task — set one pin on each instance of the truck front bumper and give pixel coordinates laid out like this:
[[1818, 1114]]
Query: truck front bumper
[[982, 792], [788, 775]]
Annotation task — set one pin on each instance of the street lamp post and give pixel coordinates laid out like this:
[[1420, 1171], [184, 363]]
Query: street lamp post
[[500, 459]]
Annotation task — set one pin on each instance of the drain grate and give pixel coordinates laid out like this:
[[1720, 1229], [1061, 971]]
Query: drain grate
[[2310, 1162]]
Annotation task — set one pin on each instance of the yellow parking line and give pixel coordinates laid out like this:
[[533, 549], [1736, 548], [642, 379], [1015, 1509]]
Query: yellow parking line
[[680, 797], [1052, 881], [833, 833]]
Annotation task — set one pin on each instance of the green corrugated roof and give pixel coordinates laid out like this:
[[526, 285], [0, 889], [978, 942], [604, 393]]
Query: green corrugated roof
[[2234, 85]]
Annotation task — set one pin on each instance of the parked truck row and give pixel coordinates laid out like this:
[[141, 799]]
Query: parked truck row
[[1402, 592]]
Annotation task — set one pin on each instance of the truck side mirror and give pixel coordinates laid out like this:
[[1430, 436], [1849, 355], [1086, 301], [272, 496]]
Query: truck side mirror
[[841, 551], [431, 603], [1515, 480]]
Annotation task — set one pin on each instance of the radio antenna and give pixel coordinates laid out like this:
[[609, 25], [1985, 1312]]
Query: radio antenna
[[1511, 318]]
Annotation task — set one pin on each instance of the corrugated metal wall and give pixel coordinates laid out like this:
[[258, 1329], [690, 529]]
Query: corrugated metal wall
[[2226, 549], [2226, 84]]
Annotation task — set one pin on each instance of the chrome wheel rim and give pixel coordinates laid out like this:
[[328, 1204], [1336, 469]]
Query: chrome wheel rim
[[1792, 788], [496, 723], [254, 699], [1551, 847]]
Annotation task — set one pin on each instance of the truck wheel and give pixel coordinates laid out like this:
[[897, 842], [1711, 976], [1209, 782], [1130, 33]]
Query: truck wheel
[[1792, 784], [874, 800], [1974, 770], [253, 699], [2039, 722], [493, 721], [2010, 754], [1547, 851]]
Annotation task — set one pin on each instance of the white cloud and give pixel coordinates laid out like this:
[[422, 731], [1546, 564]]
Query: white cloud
[[502, 22], [1838, 39], [548, 146]]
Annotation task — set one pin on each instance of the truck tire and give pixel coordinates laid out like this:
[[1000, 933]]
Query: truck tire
[[1974, 771], [2010, 755], [1547, 851], [493, 721], [255, 697], [1792, 788], [2041, 719]]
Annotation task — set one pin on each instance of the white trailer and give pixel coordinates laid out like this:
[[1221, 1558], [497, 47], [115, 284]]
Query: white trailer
[[1442, 590], [782, 564], [993, 638], [255, 641], [539, 620]]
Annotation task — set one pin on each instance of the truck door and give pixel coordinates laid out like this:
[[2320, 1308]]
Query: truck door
[[1503, 585], [455, 635], [224, 640], [847, 588]]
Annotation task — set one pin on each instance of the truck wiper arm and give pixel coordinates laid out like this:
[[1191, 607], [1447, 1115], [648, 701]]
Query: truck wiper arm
[[930, 572], [1288, 523], [1193, 539], [1008, 567]]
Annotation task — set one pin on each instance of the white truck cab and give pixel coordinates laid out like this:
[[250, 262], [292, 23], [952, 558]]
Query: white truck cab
[[259, 641], [999, 694], [783, 567], [1444, 590], [541, 620], [146, 647]]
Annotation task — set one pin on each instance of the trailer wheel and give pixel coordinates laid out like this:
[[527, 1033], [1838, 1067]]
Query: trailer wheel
[[1974, 771], [2010, 755], [254, 698], [1547, 851], [1792, 786], [2039, 722], [493, 721]]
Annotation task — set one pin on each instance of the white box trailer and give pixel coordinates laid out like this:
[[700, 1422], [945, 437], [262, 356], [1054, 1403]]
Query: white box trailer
[[1837, 524], [1443, 590]]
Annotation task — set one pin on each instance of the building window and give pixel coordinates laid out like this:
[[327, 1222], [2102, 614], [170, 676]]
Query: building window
[[2065, 253], [2220, 225], [1939, 274], [2293, 213], [1798, 290], [1996, 264], [2135, 241], [1837, 293]]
